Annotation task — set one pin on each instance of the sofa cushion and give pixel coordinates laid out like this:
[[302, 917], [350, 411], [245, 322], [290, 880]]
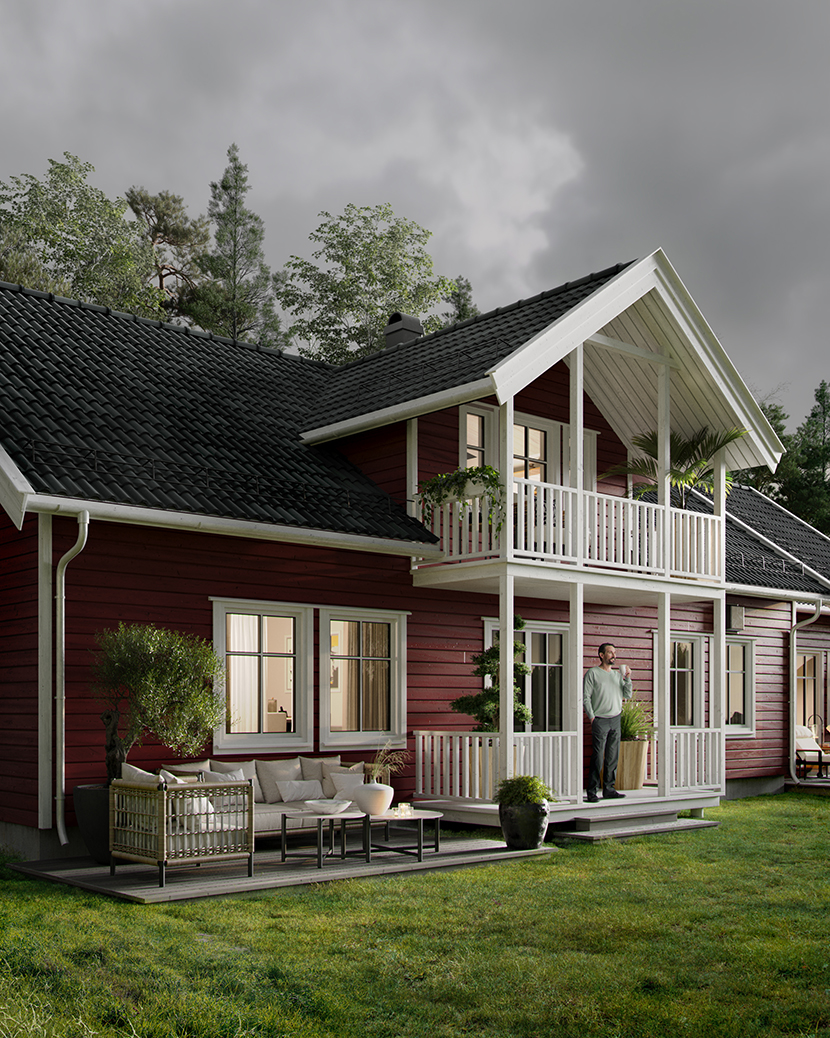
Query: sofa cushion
[[300, 790], [329, 770], [346, 784], [313, 766], [137, 776], [248, 771], [270, 772], [192, 767]]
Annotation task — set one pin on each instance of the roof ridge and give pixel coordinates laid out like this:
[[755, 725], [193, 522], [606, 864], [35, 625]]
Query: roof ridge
[[153, 322]]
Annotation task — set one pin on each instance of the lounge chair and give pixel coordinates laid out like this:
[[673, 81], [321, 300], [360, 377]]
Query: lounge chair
[[808, 753]]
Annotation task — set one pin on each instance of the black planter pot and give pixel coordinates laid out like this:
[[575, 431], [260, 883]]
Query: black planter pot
[[92, 809], [523, 825]]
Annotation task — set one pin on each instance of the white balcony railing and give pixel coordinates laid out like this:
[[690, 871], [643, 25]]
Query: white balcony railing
[[696, 758], [618, 533]]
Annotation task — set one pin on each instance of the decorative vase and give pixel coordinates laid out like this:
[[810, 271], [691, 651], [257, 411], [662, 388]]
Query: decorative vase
[[373, 798], [92, 811], [523, 825], [631, 769]]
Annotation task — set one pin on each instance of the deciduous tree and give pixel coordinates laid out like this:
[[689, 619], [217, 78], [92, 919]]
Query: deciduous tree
[[369, 264]]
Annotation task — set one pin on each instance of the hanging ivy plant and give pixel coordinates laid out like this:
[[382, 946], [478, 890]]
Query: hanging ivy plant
[[454, 485]]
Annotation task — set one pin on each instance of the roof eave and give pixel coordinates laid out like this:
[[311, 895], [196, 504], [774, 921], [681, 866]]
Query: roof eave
[[400, 412], [15, 490], [197, 523]]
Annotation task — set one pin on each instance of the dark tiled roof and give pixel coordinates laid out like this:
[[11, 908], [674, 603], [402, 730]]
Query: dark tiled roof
[[112, 408], [451, 357]]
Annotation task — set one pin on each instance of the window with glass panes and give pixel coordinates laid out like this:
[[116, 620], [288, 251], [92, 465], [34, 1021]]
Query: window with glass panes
[[736, 683], [529, 453], [807, 706], [476, 433], [682, 683], [260, 660], [360, 675], [546, 680]]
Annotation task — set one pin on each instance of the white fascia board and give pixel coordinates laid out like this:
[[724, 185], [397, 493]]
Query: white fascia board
[[15, 490], [157, 517], [400, 412], [570, 330], [715, 359]]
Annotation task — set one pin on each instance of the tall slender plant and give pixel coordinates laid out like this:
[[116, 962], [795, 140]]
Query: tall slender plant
[[691, 465], [484, 706]]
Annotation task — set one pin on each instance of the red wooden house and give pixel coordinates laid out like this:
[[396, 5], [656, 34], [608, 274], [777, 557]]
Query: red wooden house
[[270, 503]]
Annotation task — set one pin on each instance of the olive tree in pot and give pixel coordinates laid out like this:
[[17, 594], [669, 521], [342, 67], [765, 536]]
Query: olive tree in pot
[[523, 811], [151, 681]]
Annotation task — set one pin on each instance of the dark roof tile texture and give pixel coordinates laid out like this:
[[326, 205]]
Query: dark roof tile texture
[[108, 407], [448, 358]]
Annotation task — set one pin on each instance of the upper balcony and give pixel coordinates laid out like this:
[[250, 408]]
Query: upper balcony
[[564, 527]]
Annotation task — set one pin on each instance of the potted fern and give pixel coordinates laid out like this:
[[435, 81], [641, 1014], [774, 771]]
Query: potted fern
[[523, 811]]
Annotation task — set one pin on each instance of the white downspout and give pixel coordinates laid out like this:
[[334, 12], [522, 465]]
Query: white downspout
[[60, 675], [793, 636]]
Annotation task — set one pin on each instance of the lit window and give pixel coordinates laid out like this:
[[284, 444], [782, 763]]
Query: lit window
[[682, 684], [739, 694]]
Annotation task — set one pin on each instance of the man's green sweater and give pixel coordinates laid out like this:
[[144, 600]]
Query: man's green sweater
[[603, 692]]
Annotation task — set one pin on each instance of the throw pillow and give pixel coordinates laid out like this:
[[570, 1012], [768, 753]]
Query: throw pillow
[[313, 766], [270, 772], [345, 785], [301, 790], [137, 776], [248, 771], [192, 767], [329, 770], [219, 776]]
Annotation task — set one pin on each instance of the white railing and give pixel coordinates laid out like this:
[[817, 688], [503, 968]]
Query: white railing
[[695, 758], [466, 764], [618, 533]]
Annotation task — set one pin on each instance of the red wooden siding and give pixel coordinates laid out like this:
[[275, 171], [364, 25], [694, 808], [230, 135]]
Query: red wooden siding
[[381, 454], [18, 672]]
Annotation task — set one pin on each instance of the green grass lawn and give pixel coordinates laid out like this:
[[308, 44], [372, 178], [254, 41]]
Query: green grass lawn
[[715, 932]]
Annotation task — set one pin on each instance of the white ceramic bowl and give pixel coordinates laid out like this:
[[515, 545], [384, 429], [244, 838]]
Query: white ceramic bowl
[[327, 807]]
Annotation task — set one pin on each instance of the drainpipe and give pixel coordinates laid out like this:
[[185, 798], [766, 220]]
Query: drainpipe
[[793, 634], [60, 675]]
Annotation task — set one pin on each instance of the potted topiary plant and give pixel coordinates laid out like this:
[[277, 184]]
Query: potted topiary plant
[[151, 681], [523, 811], [484, 706], [636, 729]]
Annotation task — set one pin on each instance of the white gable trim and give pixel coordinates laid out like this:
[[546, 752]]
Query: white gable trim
[[15, 490]]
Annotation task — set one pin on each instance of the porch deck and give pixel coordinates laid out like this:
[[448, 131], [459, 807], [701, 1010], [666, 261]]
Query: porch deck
[[642, 812], [139, 883]]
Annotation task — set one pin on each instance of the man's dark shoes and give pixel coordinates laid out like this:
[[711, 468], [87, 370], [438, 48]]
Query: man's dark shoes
[[592, 798], [612, 794]]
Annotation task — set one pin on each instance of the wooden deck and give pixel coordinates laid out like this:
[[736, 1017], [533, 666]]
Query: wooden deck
[[139, 883]]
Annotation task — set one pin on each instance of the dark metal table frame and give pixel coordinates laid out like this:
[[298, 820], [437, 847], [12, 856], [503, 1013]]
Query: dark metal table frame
[[321, 819], [389, 821]]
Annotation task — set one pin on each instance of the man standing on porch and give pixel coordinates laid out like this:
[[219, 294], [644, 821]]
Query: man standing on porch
[[603, 692]]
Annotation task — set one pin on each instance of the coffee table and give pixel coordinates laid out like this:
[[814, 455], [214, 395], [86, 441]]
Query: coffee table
[[320, 819], [390, 819]]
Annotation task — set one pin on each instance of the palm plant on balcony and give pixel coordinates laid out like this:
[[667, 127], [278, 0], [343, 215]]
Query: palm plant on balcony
[[461, 485], [484, 706], [691, 466]]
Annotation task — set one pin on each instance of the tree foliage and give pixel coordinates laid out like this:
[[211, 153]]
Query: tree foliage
[[691, 466], [369, 264], [236, 298], [484, 706], [155, 681], [462, 307], [78, 238], [177, 241]]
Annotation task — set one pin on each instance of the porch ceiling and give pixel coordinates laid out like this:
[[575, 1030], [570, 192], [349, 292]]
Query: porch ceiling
[[539, 580]]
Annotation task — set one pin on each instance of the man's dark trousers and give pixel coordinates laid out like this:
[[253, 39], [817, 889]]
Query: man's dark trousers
[[605, 753]]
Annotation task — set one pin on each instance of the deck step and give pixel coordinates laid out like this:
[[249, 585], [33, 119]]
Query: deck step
[[626, 828]]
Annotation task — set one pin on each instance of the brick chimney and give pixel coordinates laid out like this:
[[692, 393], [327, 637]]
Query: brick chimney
[[402, 328]]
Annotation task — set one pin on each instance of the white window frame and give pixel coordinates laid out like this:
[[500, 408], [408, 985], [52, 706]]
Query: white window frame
[[552, 428], [701, 649], [491, 626], [746, 729], [302, 738], [396, 733]]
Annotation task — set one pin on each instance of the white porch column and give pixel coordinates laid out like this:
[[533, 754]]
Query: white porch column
[[506, 637], [664, 461], [576, 642], [717, 669], [662, 685], [577, 445], [506, 471]]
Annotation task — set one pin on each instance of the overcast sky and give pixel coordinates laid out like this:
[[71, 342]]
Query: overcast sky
[[539, 140]]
